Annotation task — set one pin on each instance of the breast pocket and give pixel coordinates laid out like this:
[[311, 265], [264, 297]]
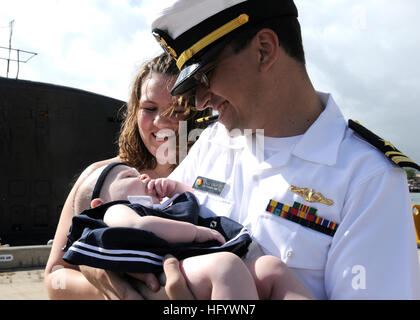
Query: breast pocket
[[298, 246], [311, 249]]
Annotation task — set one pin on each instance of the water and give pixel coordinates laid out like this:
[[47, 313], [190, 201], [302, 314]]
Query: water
[[415, 197]]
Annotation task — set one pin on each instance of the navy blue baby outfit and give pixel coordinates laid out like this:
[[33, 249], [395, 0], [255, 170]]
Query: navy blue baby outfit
[[91, 242]]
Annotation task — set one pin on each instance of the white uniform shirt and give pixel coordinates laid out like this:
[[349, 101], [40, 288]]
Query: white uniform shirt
[[373, 254]]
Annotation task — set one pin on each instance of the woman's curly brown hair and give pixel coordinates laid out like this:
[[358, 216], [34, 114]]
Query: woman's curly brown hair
[[132, 150]]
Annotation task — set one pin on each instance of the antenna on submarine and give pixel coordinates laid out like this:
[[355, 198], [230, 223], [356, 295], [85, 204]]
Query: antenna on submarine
[[27, 54]]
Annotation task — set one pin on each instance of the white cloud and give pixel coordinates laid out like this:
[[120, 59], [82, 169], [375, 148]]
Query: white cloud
[[92, 45], [365, 54]]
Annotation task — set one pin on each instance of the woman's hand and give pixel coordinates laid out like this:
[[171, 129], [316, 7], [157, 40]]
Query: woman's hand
[[113, 286]]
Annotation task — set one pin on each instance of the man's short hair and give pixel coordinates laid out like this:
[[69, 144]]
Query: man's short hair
[[288, 32]]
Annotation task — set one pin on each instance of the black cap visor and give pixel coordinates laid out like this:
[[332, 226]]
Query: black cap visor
[[186, 81]]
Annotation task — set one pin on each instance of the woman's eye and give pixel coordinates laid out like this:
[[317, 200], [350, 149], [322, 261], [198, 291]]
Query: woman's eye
[[151, 109], [148, 107]]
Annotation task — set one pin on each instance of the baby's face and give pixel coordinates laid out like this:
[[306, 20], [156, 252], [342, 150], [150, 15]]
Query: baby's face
[[123, 181]]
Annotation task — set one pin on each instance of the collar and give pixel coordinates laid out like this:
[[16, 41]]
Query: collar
[[321, 142]]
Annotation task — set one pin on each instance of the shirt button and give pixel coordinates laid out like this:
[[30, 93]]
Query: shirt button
[[289, 253]]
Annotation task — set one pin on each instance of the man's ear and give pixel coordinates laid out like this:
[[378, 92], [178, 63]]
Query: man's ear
[[268, 47], [96, 202]]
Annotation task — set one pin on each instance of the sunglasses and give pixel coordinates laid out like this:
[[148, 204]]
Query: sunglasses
[[202, 77]]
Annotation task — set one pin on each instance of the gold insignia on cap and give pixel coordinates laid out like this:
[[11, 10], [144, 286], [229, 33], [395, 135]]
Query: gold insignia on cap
[[164, 44], [311, 196], [167, 47]]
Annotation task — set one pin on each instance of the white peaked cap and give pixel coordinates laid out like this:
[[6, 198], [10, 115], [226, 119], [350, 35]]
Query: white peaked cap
[[195, 31]]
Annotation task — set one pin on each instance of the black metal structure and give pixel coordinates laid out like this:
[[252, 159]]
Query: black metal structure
[[48, 135]]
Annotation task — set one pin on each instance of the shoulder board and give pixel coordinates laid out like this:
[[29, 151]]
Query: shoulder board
[[386, 147]]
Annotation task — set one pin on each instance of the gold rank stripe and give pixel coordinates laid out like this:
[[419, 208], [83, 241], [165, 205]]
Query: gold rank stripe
[[393, 153], [397, 160], [384, 146], [210, 38], [398, 157]]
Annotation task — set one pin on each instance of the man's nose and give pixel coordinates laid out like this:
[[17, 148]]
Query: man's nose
[[202, 97]]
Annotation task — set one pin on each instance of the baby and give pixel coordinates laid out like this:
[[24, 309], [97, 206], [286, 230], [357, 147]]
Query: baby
[[210, 272]]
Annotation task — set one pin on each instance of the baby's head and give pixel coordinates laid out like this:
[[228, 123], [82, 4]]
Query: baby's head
[[115, 181]]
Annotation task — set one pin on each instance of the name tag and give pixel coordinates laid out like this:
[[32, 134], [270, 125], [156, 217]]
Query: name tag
[[209, 185]]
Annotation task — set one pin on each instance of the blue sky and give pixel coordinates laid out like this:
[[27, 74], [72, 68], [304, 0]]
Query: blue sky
[[363, 52]]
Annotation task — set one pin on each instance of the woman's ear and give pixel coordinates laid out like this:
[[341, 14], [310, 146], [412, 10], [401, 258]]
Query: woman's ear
[[96, 202], [268, 47]]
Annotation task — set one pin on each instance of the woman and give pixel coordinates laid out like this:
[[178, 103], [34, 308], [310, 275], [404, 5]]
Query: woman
[[151, 116]]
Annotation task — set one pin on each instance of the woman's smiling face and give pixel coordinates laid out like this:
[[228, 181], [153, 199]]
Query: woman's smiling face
[[154, 126]]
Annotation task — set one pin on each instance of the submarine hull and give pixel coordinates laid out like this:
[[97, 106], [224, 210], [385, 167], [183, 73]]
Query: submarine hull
[[48, 135]]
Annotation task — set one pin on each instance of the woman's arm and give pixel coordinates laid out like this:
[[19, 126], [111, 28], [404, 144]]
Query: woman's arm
[[171, 230], [66, 281]]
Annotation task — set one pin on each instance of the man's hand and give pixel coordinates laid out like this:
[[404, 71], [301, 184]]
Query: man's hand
[[176, 287]]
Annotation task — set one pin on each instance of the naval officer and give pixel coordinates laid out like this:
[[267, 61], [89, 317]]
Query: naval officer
[[326, 196]]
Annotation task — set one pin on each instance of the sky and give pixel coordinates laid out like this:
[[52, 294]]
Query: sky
[[365, 53]]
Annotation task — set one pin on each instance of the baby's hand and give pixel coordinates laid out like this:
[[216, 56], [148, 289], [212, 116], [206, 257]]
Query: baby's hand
[[204, 234], [163, 187], [145, 178]]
